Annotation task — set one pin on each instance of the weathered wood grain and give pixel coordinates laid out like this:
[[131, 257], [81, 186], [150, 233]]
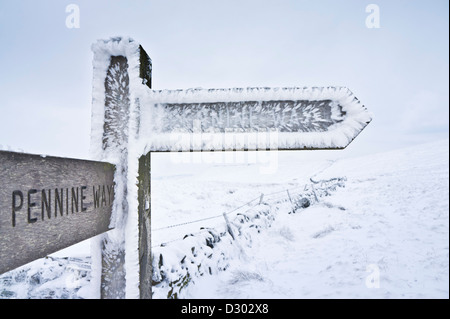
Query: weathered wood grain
[[115, 139], [50, 203], [144, 196], [115, 142]]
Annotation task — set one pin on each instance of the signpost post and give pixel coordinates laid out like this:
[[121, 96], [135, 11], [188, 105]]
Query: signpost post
[[47, 203]]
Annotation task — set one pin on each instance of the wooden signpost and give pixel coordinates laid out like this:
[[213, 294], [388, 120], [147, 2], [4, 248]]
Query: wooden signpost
[[48, 203]]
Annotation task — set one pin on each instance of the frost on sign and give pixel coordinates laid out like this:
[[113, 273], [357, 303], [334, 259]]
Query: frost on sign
[[252, 118], [213, 119]]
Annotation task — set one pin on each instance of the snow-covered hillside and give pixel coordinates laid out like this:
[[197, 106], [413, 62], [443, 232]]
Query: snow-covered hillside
[[384, 235]]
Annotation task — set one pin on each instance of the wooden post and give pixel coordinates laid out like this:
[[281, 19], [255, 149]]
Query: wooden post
[[118, 114], [144, 195], [314, 192], [289, 195], [115, 138], [229, 229]]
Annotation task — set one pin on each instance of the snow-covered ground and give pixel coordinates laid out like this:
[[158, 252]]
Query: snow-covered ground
[[385, 235]]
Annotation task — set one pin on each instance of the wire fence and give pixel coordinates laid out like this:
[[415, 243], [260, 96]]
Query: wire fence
[[281, 194], [288, 194]]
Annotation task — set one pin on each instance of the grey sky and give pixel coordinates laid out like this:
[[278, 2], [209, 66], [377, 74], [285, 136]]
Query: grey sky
[[399, 71]]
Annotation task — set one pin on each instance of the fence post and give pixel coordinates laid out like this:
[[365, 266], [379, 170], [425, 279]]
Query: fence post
[[289, 195], [314, 192], [229, 229], [261, 198]]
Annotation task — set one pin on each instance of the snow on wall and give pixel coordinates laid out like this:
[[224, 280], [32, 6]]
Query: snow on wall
[[48, 278], [179, 264]]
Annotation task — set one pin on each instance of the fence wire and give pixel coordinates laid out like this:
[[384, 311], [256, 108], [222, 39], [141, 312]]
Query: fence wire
[[290, 194], [277, 197]]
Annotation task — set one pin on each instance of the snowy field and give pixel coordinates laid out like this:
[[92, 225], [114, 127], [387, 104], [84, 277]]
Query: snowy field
[[384, 235]]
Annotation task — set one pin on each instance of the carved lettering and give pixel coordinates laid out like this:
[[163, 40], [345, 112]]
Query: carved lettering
[[283, 115], [67, 201], [103, 196], [16, 207], [110, 193], [46, 202], [96, 195], [73, 199], [83, 209], [59, 200], [30, 205]]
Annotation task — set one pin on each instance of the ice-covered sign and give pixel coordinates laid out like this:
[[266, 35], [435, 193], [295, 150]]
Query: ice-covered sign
[[50, 203], [251, 119], [293, 118]]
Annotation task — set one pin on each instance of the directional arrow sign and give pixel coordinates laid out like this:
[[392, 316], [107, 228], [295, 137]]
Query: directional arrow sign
[[50, 203], [211, 119], [251, 118]]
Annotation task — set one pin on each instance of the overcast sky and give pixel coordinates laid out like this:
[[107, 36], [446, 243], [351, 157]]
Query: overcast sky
[[399, 70]]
